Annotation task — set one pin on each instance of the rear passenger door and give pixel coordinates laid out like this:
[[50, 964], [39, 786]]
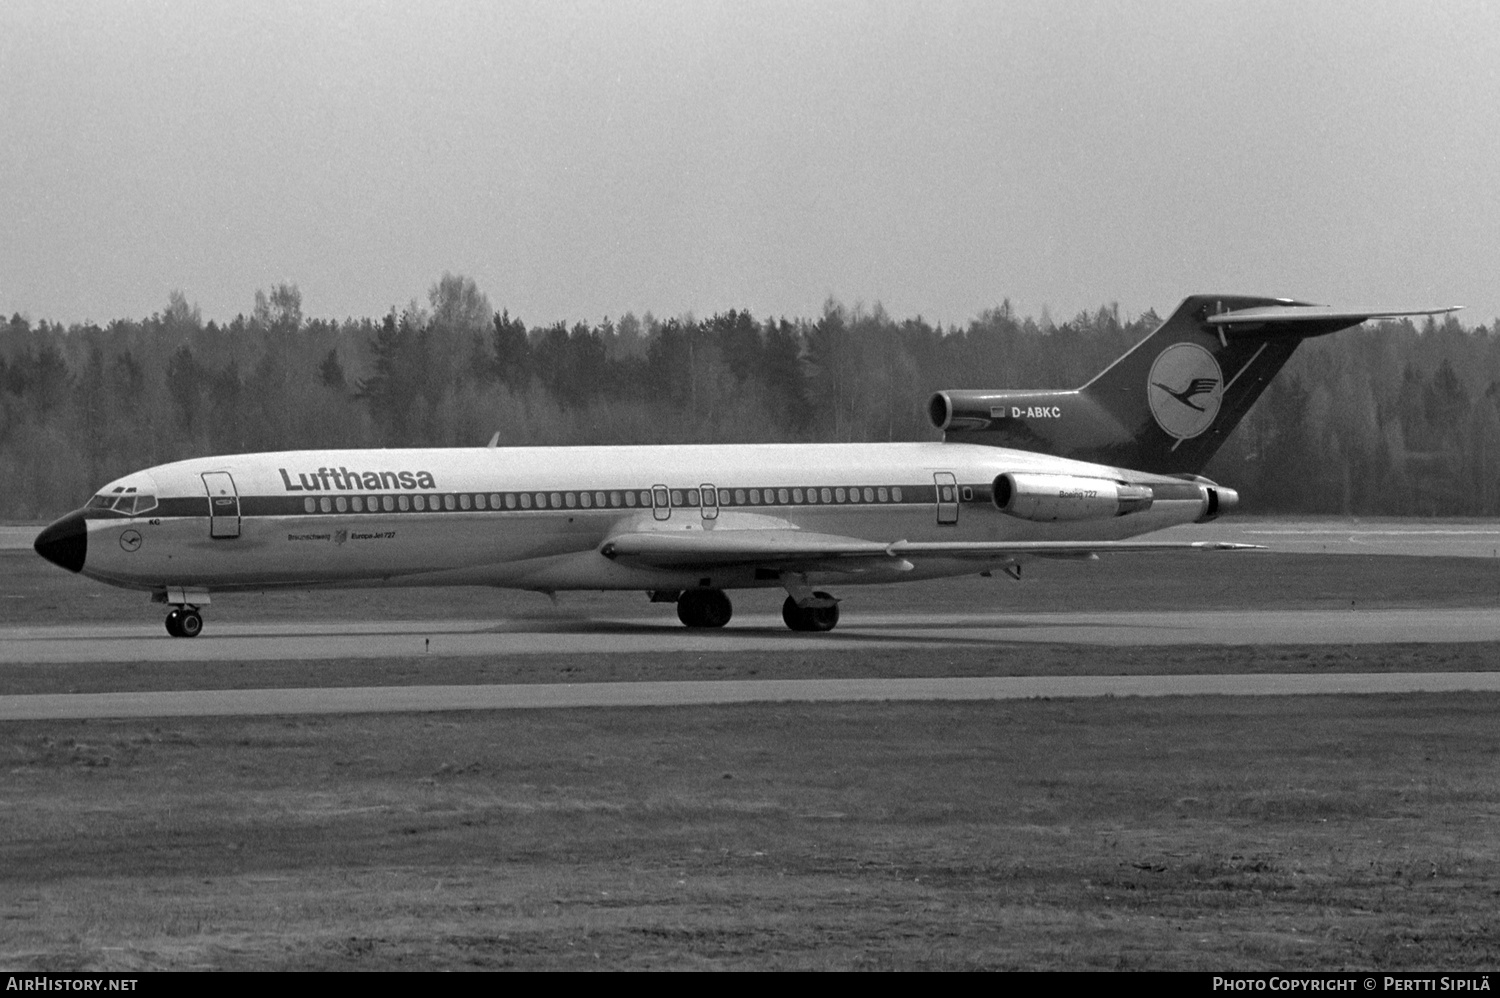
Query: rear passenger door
[[947, 496]]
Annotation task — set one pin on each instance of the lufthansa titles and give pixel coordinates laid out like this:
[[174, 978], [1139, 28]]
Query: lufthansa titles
[[329, 479]]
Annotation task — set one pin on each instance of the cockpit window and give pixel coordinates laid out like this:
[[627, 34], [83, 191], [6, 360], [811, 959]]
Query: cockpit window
[[131, 504]]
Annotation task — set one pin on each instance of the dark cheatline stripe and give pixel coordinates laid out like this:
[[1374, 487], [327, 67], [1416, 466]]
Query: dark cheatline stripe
[[271, 506], [190, 506]]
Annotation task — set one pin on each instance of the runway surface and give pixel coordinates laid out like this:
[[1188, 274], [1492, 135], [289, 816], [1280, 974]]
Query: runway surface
[[386, 699], [564, 633], [1417, 538], [571, 635]]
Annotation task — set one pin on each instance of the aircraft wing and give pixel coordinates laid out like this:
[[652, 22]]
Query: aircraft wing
[[797, 550]]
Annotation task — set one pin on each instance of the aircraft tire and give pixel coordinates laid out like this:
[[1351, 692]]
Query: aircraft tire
[[822, 618], [704, 608], [174, 621], [190, 624]]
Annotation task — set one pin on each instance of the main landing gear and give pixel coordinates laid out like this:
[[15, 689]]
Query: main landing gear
[[822, 615], [185, 622], [704, 608]]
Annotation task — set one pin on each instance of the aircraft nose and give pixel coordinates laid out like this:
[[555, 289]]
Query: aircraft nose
[[65, 543]]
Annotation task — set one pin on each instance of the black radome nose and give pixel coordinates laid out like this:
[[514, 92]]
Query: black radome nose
[[65, 542]]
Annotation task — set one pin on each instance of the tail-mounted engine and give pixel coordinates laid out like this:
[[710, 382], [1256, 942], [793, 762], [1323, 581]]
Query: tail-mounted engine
[[1051, 498], [1048, 498]]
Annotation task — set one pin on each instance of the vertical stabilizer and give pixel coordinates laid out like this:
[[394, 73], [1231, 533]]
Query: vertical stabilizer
[[1170, 402]]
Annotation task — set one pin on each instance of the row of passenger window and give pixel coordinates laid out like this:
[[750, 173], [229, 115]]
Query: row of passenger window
[[800, 497], [465, 500], [677, 498]]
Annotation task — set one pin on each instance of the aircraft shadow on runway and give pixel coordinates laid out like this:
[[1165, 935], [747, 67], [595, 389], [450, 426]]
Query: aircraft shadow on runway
[[850, 632]]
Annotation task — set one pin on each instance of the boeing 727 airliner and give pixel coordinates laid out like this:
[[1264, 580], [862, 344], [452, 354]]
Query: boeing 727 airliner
[[1018, 475]]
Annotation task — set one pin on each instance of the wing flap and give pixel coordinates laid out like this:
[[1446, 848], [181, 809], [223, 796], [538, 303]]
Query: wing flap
[[728, 548]]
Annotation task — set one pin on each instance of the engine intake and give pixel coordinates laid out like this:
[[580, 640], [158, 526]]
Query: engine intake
[[1049, 498]]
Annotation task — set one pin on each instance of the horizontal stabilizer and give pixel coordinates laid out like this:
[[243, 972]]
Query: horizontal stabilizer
[[1318, 313]]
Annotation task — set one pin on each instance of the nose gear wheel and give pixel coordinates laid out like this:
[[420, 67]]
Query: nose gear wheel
[[185, 622]]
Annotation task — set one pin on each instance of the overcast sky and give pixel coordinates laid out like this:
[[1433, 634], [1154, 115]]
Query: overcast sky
[[580, 160]]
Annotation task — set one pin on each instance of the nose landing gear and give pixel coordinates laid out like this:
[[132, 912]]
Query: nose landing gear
[[185, 622]]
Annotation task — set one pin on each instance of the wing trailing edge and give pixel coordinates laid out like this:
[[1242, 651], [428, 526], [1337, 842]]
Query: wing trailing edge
[[792, 549]]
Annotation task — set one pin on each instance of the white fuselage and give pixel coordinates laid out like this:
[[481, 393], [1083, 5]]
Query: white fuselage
[[535, 518]]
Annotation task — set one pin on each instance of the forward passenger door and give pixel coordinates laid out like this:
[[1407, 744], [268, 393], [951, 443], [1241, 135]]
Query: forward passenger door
[[223, 505]]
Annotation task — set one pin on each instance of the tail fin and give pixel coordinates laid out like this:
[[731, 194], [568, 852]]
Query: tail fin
[[1169, 403]]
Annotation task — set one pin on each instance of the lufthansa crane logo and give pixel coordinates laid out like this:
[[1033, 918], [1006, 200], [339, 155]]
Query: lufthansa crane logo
[[1185, 388]]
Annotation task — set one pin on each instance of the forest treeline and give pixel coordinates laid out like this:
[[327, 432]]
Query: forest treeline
[[1394, 418]]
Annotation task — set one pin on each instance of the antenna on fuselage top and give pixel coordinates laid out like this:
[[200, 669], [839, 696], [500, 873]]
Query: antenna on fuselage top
[[495, 440]]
